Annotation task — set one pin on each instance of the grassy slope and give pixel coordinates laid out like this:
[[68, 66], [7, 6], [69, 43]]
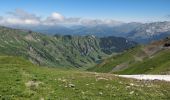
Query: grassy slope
[[150, 59], [108, 64], [158, 64], [48, 50], [19, 79], [70, 51]]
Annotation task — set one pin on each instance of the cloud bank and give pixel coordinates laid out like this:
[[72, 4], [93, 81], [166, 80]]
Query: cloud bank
[[21, 17]]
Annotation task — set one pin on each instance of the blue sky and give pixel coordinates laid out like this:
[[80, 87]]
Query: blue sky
[[121, 10]]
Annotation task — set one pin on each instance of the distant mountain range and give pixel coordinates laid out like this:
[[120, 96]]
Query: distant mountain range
[[148, 32], [101, 30], [60, 50], [86, 46], [140, 32]]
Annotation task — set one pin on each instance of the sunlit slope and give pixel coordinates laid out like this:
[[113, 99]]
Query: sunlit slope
[[22, 80], [125, 58], [150, 59]]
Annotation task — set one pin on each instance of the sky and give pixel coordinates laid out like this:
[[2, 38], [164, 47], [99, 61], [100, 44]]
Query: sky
[[83, 11]]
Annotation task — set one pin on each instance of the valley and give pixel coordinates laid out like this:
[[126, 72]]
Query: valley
[[85, 50], [36, 66], [63, 51]]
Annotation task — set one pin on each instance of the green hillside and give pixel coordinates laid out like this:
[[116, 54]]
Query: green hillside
[[150, 59], [159, 64], [21, 80], [108, 64], [64, 51]]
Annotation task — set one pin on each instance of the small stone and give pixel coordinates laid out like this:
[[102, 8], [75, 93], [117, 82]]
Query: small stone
[[65, 86], [131, 84], [59, 79], [100, 93], [127, 87], [120, 82], [131, 92], [41, 98], [71, 85], [83, 92], [63, 80]]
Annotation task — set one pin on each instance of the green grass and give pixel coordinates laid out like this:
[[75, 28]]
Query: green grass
[[158, 64], [76, 51], [137, 61], [21, 80], [108, 64], [64, 51]]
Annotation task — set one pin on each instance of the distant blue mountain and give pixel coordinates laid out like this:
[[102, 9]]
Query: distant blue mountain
[[139, 32]]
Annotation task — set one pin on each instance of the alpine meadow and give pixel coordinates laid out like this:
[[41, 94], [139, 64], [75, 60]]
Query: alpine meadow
[[85, 50]]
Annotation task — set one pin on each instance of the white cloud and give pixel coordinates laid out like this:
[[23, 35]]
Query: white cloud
[[73, 20], [57, 16], [20, 21], [14, 21], [21, 14], [167, 16], [1, 19], [93, 22], [54, 18], [21, 17]]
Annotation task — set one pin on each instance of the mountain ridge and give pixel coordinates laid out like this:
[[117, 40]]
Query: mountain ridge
[[142, 33], [67, 50]]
